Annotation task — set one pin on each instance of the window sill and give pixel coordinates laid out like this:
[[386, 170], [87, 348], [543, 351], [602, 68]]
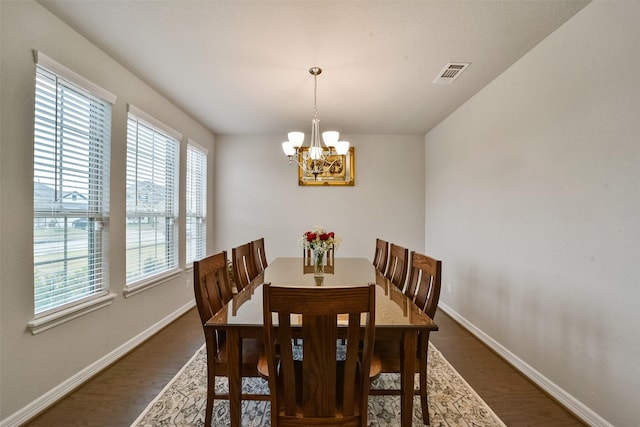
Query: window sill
[[49, 321], [149, 283]]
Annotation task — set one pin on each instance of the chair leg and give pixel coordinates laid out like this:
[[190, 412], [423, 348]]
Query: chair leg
[[423, 398], [210, 391], [423, 343], [211, 386]]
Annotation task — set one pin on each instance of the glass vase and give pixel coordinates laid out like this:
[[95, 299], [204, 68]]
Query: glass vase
[[318, 263]]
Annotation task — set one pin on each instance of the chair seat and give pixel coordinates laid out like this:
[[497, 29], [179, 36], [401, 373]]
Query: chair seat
[[252, 352], [374, 371], [376, 366], [388, 355], [263, 366]]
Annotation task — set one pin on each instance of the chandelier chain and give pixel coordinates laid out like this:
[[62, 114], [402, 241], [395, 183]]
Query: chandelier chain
[[315, 96]]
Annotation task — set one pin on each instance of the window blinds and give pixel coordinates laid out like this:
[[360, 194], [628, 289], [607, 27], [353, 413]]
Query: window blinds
[[152, 197], [196, 199], [72, 136]]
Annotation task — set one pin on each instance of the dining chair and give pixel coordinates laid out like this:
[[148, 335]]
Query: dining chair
[[319, 385], [307, 255], [381, 255], [244, 267], [259, 255], [210, 281], [423, 288], [397, 265]]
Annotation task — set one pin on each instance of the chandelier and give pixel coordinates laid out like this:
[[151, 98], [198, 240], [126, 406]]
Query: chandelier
[[315, 160]]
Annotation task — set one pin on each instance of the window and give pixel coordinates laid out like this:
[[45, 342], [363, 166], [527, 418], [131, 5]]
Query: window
[[72, 138], [196, 202], [152, 200]]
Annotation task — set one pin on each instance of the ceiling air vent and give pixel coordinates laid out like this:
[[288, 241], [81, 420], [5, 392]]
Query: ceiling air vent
[[450, 72]]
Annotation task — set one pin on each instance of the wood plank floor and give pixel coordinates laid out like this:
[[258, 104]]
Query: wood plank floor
[[118, 395]]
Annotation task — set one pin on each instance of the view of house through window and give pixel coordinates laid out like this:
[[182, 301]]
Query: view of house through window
[[71, 192], [152, 197]]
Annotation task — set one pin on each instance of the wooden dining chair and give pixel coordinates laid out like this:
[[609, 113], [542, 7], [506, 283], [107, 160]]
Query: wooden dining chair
[[209, 282], [259, 255], [423, 288], [244, 267], [381, 255], [324, 388], [329, 256], [397, 265]]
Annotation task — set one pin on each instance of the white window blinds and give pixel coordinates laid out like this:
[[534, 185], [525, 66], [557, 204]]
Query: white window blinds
[[196, 238], [152, 197], [72, 138]]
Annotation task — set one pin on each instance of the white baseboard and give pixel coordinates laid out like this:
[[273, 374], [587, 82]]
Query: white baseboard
[[567, 400], [34, 408]]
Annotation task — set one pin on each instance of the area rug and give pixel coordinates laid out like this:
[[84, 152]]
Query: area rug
[[452, 402]]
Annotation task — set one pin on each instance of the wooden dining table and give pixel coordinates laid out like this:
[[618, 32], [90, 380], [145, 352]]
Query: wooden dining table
[[398, 319]]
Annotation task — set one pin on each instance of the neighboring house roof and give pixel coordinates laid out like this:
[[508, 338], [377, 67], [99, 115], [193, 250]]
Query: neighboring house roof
[[145, 196], [44, 197]]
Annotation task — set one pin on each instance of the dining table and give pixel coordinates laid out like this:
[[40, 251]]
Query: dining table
[[397, 320]]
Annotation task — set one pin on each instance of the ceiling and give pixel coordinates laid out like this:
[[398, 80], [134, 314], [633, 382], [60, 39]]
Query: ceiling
[[241, 67]]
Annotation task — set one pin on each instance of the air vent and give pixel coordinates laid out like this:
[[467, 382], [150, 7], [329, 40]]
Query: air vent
[[450, 72]]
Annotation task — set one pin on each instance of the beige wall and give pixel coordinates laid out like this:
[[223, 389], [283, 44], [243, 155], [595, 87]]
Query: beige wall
[[257, 194], [34, 369], [533, 203]]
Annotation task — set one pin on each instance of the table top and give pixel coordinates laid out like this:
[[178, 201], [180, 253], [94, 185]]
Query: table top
[[393, 308]]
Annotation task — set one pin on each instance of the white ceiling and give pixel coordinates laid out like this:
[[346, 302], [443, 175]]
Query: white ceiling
[[241, 67]]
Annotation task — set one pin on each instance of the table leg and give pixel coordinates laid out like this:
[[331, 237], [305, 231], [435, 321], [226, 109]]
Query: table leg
[[234, 359], [409, 344]]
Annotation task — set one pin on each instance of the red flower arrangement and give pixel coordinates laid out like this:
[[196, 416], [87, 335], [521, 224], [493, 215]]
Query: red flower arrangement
[[318, 239]]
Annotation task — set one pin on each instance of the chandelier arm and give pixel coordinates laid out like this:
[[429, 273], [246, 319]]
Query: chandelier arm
[[326, 164]]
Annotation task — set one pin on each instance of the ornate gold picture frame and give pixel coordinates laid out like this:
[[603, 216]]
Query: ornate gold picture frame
[[342, 172]]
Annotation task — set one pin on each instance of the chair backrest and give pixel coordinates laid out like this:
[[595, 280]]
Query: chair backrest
[[397, 265], [381, 255], [307, 255], [330, 257], [244, 267], [320, 390], [210, 282], [424, 282], [259, 255]]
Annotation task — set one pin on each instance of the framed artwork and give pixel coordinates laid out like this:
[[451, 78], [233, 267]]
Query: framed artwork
[[341, 171]]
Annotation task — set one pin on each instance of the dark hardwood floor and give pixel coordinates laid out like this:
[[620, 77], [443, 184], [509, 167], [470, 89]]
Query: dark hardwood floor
[[118, 395]]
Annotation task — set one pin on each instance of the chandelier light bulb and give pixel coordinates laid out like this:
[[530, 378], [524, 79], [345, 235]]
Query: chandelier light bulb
[[296, 139], [315, 153], [342, 147], [330, 138], [289, 150]]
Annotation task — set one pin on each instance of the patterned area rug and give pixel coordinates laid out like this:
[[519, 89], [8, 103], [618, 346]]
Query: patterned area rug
[[452, 402]]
